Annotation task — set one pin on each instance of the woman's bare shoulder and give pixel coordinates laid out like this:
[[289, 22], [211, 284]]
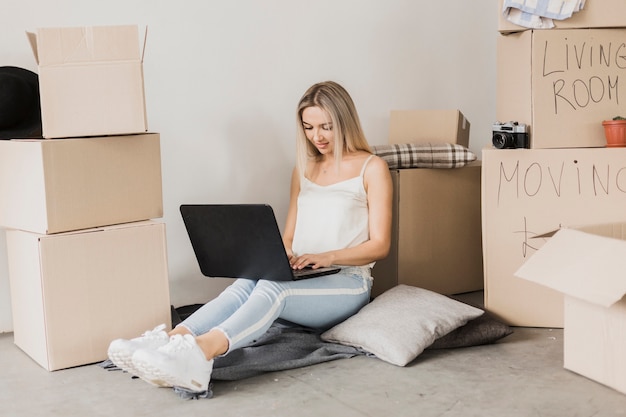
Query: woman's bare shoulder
[[378, 163]]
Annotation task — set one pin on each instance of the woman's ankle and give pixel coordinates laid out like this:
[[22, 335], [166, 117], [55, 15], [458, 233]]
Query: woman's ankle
[[213, 343]]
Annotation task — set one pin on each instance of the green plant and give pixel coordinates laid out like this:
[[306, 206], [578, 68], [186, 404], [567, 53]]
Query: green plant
[[619, 118]]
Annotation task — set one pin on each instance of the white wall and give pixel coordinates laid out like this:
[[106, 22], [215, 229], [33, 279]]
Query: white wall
[[222, 80]]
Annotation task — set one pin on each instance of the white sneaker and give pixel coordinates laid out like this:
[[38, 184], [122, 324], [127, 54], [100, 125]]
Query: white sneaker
[[180, 363], [121, 350]]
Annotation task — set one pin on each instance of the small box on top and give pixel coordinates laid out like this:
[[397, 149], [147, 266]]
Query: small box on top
[[91, 80], [428, 126]]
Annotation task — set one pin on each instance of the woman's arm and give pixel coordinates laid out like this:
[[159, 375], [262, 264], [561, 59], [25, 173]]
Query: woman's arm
[[379, 188], [290, 223]]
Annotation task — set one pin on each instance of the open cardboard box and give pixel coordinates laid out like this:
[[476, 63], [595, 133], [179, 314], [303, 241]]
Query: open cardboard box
[[588, 265], [90, 80]]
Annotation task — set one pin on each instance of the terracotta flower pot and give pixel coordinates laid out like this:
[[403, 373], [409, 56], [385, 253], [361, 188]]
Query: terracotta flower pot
[[615, 132]]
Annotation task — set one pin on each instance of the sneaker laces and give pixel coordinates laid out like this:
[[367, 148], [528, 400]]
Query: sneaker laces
[[179, 343], [154, 333]]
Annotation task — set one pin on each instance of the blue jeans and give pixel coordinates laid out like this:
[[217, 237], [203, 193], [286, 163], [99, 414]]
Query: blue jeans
[[247, 308]]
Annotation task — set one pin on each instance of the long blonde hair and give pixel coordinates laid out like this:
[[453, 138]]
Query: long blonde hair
[[348, 133]]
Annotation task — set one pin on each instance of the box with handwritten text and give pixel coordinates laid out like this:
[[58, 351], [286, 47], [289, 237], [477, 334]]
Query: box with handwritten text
[[529, 192], [562, 84]]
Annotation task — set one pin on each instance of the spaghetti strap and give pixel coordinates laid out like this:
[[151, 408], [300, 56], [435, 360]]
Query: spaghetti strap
[[365, 165]]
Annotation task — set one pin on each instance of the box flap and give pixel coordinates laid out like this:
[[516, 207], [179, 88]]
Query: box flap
[[586, 265], [98, 229], [32, 40], [145, 39], [80, 45]]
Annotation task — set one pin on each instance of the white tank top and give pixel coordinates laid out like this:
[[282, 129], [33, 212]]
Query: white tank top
[[331, 217]]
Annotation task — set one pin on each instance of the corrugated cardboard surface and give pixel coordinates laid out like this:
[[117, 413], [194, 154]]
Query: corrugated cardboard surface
[[72, 293], [587, 265], [595, 14], [594, 342], [562, 83], [50, 186], [527, 192], [87, 45], [91, 81], [436, 231], [428, 126]]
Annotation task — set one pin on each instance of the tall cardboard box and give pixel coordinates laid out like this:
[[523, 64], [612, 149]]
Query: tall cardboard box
[[436, 233], [90, 80], [562, 83], [587, 265], [51, 186], [527, 192], [73, 293], [595, 14], [429, 126]]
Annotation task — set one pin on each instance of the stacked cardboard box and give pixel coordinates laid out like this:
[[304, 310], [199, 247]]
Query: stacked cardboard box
[[562, 83], [436, 212], [87, 260], [587, 265]]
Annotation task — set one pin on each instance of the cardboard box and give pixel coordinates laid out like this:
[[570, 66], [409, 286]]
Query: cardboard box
[[90, 80], [562, 83], [436, 234], [51, 186], [595, 14], [587, 265], [527, 192], [428, 126], [73, 293]]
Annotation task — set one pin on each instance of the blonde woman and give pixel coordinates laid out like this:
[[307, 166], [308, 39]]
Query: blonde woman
[[339, 214]]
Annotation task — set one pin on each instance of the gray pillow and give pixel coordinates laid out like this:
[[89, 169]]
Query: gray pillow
[[400, 323], [479, 331]]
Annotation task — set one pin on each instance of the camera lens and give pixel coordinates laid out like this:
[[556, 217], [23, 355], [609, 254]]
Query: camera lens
[[502, 140]]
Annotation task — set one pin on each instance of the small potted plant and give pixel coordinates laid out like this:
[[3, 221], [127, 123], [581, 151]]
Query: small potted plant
[[615, 132]]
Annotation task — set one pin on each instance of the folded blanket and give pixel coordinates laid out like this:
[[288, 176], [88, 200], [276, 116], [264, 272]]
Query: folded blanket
[[413, 155], [539, 14]]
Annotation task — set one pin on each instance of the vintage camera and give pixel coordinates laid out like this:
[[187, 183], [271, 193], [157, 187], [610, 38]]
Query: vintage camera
[[509, 135]]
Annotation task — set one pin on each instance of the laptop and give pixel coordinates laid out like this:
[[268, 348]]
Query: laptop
[[241, 241]]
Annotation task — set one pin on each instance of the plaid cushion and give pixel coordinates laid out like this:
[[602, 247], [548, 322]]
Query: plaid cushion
[[412, 155]]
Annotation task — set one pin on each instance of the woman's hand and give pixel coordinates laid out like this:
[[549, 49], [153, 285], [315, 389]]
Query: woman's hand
[[313, 260]]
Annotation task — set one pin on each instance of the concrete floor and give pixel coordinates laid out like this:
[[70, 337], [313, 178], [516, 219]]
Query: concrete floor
[[522, 375]]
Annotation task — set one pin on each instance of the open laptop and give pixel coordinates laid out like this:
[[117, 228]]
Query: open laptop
[[241, 241]]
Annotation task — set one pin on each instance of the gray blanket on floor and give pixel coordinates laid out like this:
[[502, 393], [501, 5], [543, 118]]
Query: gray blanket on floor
[[281, 347]]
